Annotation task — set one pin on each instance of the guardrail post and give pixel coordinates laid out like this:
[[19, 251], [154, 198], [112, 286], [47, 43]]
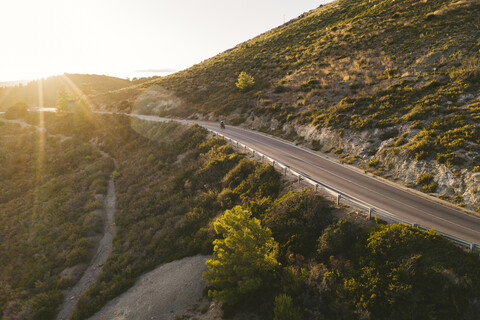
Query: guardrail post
[[316, 187], [299, 178], [338, 199], [285, 171], [370, 210], [472, 246], [414, 225], [253, 153], [273, 163], [245, 148], [263, 157]]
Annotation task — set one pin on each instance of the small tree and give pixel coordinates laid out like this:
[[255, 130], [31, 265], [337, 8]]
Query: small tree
[[244, 260], [62, 101], [245, 81]]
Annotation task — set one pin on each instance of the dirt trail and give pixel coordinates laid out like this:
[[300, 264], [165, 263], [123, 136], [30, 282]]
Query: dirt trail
[[103, 251]]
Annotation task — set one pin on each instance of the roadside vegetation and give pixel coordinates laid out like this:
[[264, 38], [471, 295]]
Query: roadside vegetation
[[349, 271]]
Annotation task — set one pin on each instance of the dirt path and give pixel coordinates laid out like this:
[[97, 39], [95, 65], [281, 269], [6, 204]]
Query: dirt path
[[164, 293], [104, 249]]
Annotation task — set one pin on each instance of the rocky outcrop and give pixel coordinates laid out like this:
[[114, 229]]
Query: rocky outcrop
[[454, 182]]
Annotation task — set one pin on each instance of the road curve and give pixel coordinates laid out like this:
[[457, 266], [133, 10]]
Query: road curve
[[402, 203]]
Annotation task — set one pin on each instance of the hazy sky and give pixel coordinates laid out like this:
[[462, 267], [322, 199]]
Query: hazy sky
[[118, 37]]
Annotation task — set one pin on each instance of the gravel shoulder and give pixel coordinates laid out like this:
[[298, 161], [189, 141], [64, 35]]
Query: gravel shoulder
[[164, 293]]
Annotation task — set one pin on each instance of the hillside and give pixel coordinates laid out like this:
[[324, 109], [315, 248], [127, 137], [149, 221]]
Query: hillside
[[391, 86], [43, 93]]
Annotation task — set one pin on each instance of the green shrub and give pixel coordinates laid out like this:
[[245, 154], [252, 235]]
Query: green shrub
[[285, 310], [309, 85], [450, 159], [151, 158], [390, 73], [373, 163], [400, 142], [337, 239], [431, 187], [44, 305], [92, 205], [424, 178], [297, 220], [244, 81], [76, 256]]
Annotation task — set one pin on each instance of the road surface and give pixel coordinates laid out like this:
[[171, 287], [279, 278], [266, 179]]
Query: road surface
[[407, 205]]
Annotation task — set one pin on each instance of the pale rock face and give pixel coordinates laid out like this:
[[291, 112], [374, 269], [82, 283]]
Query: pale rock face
[[405, 169]]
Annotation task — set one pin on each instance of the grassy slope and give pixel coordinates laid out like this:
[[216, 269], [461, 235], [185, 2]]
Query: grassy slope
[[48, 221], [408, 68]]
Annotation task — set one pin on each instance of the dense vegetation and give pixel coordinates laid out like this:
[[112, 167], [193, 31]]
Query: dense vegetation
[[172, 182], [353, 272], [48, 218]]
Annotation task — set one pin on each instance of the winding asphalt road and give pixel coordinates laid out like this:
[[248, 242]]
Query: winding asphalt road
[[400, 202]]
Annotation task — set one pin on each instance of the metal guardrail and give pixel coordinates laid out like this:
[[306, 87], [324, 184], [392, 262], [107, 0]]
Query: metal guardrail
[[342, 197]]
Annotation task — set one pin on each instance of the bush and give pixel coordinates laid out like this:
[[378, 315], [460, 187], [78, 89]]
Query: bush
[[285, 310], [431, 187], [424, 178], [390, 73], [309, 85], [92, 205], [76, 256], [44, 305], [244, 81], [280, 89], [337, 239], [372, 163], [297, 220], [426, 181], [17, 111], [151, 158]]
